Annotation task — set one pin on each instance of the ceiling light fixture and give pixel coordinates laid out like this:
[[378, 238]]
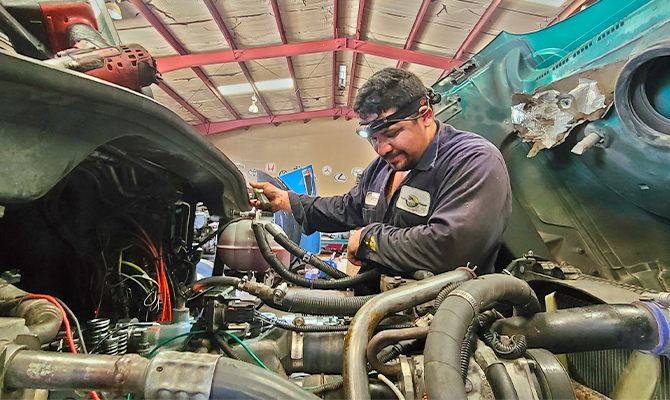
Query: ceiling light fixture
[[242, 88], [253, 108], [342, 77]]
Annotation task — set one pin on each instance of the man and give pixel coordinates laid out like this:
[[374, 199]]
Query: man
[[434, 199]]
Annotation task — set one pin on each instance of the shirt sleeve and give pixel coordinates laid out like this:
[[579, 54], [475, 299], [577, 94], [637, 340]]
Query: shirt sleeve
[[472, 207], [328, 214]]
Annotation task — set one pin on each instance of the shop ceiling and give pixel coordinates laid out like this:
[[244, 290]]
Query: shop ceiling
[[303, 59]]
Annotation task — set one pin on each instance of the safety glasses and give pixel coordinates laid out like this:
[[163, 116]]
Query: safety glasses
[[367, 130]]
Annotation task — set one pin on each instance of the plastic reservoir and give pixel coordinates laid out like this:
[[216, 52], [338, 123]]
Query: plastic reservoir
[[238, 249]]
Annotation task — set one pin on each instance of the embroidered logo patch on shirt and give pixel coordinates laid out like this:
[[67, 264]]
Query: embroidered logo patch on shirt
[[413, 200], [371, 199]]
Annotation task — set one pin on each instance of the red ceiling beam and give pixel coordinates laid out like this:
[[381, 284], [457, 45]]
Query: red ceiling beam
[[568, 11], [415, 28], [169, 37], [476, 30], [359, 22], [231, 43], [282, 34], [168, 64], [170, 92], [218, 127], [335, 35]]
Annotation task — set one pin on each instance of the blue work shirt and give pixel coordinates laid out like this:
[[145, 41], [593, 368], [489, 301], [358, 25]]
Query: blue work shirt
[[450, 210]]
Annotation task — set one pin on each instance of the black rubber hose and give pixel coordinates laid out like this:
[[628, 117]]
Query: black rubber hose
[[447, 332], [224, 346], [214, 281], [278, 266], [444, 293], [469, 344], [214, 234], [384, 356], [321, 305], [600, 327], [501, 384], [284, 241]]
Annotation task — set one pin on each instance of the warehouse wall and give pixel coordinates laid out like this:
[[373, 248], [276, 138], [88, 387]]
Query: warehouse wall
[[319, 142]]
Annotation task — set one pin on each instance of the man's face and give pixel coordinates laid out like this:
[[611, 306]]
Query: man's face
[[403, 143]]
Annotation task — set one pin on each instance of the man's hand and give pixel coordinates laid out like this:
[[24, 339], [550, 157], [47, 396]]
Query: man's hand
[[278, 198], [352, 247]]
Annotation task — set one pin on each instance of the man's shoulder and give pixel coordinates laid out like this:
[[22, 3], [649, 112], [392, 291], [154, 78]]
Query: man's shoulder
[[460, 143]]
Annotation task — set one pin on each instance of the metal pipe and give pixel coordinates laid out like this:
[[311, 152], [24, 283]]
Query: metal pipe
[[52, 371], [43, 319], [367, 318], [385, 338]]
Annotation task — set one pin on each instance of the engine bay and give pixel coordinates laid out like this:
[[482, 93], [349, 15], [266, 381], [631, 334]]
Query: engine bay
[[100, 294]]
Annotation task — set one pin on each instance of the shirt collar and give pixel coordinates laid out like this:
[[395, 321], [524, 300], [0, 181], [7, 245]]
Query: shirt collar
[[429, 156]]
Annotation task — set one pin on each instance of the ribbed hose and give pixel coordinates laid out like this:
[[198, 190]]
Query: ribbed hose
[[449, 327], [510, 351], [444, 293], [515, 349], [278, 266], [225, 347], [284, 241], [322, 328], [469, 344], [323, 305]]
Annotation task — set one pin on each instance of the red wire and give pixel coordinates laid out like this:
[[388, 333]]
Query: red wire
[[68, 329]]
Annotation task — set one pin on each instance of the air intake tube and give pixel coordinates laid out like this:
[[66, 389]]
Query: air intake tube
[[642, 326], [449, 327]]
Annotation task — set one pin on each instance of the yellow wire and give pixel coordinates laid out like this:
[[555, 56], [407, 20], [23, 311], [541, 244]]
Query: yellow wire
[[132, 278], [140, 270]]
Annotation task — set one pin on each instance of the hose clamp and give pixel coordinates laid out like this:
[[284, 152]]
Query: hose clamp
[[467, 297], [663, 325]]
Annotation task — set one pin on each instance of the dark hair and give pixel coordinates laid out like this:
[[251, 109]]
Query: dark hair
[[388, 88]]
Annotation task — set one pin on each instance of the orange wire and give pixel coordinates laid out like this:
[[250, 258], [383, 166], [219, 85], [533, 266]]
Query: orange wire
[[68, 329]]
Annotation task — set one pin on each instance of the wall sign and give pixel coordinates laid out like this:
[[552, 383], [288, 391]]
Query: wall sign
[[340, 177], [283, 172], [253, 171], [270, 167], [356, 172], [327, 170], [296, 167], [240, 166]]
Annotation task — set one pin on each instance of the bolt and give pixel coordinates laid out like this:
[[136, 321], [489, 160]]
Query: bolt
[[299, 321], [468, 385], [522, 269], [159, 369]]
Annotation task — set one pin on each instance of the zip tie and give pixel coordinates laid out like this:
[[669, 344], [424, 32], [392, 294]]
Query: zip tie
[[306, 257]]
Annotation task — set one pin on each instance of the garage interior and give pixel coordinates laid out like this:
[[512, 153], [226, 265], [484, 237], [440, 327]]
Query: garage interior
[[140, 258]]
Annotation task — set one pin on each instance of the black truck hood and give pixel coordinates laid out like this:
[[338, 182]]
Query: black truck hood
[[52, 119]]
